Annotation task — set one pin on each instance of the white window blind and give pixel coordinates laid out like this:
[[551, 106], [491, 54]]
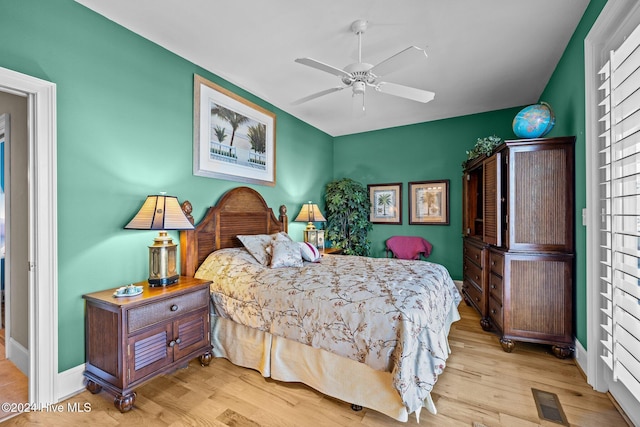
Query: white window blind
[[619, 178]]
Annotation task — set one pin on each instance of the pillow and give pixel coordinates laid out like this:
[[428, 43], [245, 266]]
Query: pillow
[[285, 253], [309, 252], [282, 236], [259, 245]]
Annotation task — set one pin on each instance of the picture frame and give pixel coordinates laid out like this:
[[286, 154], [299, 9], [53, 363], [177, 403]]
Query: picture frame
[[233, 138], [386, 203], [429, 202]]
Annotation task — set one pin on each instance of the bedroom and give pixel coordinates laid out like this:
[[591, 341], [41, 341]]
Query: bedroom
[[111, 92]]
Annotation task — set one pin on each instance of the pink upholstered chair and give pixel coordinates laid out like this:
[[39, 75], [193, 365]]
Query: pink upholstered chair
[[408, 247]]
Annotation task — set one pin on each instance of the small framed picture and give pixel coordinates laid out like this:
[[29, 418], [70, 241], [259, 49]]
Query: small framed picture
[[386, 203], [429, 202]]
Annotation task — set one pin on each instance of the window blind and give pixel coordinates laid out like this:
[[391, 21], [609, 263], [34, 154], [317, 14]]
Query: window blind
[[619, 178]]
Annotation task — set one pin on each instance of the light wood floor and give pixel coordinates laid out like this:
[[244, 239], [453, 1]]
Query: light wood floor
[[13, 383], [481, 384]]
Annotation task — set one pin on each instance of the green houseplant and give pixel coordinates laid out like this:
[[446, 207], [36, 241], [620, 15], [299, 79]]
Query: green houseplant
[[484, 146], [347, 206]]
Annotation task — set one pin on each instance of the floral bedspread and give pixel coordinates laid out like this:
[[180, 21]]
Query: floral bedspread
[[390, 314]]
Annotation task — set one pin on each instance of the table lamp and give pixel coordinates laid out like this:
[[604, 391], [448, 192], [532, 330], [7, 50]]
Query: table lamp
[[162, 213], [310, 213]]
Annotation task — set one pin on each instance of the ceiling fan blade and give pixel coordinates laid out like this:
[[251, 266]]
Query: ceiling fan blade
[[405, 92], [323, 67], [402, 59], [317, 95]]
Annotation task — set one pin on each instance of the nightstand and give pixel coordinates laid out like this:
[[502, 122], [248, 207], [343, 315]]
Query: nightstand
[[131, 340], [331, 251]]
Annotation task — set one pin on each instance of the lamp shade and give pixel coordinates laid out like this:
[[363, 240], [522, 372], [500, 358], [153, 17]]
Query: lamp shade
[[160, 213], [310, 213]]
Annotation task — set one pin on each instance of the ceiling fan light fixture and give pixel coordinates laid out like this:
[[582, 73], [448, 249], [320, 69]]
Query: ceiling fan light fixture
[[359, 75]]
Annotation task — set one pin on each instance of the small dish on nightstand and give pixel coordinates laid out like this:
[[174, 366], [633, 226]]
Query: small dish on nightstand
[[128, 291]]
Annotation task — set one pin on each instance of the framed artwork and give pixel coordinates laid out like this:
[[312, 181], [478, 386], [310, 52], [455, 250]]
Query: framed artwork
[[386, 203], [233, 139], [429, 202]]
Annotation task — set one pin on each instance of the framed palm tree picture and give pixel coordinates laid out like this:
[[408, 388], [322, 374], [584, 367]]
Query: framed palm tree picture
[[429, 202], [233, 138], [386, 203]]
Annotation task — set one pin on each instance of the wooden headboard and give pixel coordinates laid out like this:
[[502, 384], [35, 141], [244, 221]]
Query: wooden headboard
[[241, 210]]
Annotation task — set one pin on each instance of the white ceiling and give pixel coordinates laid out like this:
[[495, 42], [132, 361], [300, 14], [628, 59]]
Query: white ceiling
[[482, 55]]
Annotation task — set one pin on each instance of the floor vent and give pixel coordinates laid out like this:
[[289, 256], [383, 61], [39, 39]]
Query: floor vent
[[549, 407]]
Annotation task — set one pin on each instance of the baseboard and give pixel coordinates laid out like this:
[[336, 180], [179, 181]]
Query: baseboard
[[580, 355], [18, 355], [70, 383]]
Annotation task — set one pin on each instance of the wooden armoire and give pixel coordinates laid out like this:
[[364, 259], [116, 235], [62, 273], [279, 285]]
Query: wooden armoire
[[518, 249]]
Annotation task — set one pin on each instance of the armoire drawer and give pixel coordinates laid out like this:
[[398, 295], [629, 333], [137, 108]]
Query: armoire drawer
[[473, 293], [472, 272], [473, 253], [495, 312], [496, 263], [495, 287]]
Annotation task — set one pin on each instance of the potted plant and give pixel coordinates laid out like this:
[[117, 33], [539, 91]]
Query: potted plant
[[347, 206], [484, 146]]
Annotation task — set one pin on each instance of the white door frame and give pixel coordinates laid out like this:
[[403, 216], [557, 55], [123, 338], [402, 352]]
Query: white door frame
[[43, 231]]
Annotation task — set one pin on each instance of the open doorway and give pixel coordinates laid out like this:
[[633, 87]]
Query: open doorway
[[41, 269], [14, 249], [14, 110]]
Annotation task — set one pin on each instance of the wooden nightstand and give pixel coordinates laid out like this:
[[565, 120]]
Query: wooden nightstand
[[130, 340], [331, 251]]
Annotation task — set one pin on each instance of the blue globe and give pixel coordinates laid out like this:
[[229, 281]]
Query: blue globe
[[534, 121]]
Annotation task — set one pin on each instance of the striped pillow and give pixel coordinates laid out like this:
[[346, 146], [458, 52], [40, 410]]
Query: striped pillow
[[309, 252]]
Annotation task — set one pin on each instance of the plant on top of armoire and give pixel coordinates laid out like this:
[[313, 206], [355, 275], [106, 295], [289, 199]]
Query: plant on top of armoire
[[347, 205], [484, 146]]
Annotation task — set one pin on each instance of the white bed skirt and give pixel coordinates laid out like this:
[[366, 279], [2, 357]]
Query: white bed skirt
[[290, 361]]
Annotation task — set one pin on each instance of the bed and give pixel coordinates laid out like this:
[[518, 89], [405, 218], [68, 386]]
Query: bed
[[344, 326]]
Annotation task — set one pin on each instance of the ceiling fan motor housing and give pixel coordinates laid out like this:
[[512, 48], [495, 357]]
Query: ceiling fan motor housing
[[359, 72]]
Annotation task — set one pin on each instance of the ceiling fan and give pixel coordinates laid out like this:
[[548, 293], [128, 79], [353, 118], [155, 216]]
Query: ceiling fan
[[359, 75]]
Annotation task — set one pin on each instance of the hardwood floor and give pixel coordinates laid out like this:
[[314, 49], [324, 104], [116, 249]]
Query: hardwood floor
[[13, 383], [481, 384]]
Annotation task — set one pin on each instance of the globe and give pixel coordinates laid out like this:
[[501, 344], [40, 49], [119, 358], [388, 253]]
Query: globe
[[534, 121]]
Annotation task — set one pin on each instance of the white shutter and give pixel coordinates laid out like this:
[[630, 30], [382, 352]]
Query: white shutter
[[620, 213]]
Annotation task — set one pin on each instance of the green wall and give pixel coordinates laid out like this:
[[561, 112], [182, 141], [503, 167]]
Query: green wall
[[565, 92], [125, 109], [125, 119], [422, 152]]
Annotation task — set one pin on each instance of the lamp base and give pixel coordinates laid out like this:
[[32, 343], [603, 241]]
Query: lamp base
[[162, 261], [163, 281], [315, 237]]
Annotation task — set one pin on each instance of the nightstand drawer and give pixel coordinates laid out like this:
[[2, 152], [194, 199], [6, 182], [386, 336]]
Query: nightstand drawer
[[161, 311]]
